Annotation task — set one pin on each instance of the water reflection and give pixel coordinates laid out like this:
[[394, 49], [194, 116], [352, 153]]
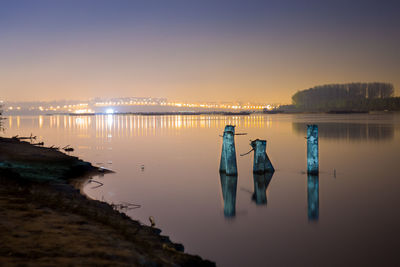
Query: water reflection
[[138, 125], [313, 197], [349, 131], [241, 240], [261, 182], [229, 186]]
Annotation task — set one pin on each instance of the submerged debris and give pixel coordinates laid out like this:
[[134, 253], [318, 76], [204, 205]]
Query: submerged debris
[[31, 137], [152, 221], [125, 206], [93, 181], [104, 170], [38, 144], [68, 148]]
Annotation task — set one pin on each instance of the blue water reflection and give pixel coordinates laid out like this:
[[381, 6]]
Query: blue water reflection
[[261, 182], [313, 197], [229, 186]]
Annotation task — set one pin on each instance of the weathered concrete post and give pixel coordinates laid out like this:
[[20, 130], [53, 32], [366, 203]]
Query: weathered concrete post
[[312, 149], [228, 155], [261, 182], [261, 162], [313, 197], [229, 185]]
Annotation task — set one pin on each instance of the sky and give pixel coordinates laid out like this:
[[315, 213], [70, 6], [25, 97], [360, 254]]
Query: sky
[[193, 50]]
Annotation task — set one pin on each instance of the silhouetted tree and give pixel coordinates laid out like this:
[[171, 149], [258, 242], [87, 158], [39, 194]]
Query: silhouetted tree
[[360, 96], [1, 119]]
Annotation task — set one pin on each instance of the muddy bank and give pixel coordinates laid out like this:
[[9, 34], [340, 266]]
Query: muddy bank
[[22, 160], [44, 220]]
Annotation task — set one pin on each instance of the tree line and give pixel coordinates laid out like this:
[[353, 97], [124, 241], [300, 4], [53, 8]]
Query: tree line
[[349, 96], [1, 118]]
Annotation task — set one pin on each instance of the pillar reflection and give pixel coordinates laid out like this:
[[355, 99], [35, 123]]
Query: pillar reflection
[[261, 182], [313, 197], [229, 186]]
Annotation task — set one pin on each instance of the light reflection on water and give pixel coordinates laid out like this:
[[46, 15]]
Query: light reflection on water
[[120, 122], [169, 166]]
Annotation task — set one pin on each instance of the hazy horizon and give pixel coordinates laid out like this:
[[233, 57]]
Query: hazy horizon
[[259, 51]]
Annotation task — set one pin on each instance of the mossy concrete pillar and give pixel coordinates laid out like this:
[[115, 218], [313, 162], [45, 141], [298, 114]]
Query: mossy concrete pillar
[[228, 163], [261, 163], [312, 149], [229, 186]]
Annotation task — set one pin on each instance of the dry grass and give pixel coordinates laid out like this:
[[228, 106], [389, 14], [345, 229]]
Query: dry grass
[[45, 221]]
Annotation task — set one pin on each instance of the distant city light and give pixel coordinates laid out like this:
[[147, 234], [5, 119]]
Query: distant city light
[[83, 111], [131, 104]]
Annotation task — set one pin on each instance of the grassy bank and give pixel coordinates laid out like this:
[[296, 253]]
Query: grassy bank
[[44, 220]]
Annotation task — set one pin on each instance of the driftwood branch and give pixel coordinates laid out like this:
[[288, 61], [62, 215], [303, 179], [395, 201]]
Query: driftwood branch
[[38, 144], [125, 206], [246, 153], [24, 137], [235, 134], [68, 148], [97, 186]]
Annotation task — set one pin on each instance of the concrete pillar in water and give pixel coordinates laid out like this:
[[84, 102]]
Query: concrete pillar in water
[[228, 155], [261, 163], [313, 197], [312, 149], [229, 186], [261, 182]]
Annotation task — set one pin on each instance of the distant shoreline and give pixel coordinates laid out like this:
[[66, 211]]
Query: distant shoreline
[[246, 113]]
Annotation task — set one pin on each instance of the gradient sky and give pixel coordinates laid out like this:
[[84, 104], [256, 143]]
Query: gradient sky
[[192, 50]]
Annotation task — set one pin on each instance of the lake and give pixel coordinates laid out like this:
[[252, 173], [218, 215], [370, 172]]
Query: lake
[[348, 215]]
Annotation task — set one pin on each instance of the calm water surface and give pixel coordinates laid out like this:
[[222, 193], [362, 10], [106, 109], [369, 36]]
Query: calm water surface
[[169, 165]]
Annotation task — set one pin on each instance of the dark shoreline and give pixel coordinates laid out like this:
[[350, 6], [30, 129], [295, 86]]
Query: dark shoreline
[[40, 186]]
